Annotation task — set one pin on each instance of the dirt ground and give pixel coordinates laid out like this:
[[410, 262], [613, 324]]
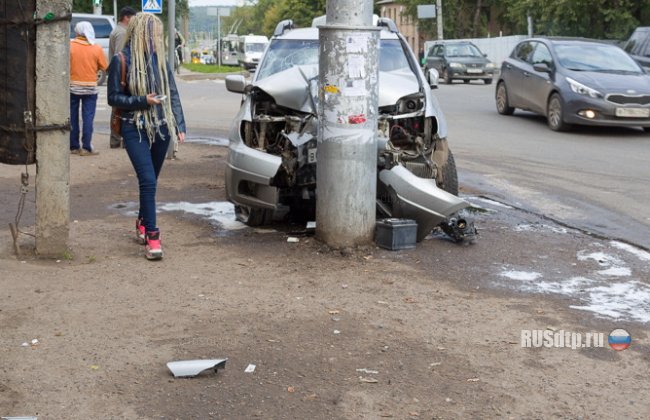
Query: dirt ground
[[364, 334]]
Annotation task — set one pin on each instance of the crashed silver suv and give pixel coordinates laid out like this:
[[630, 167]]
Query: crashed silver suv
[[271, 166]]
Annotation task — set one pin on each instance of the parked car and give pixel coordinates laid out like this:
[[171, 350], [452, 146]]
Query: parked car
[[458, 60], [103, 26], [638, 46], [574, 81], [271, 164]]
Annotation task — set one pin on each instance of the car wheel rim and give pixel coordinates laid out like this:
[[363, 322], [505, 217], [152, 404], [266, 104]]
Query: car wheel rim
[[554, 112], [501, 98]]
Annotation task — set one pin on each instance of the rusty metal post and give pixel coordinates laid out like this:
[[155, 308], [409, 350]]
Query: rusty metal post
[[347, 153], [52, 147]]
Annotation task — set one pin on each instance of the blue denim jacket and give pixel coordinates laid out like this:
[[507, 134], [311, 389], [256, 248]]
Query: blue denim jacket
[[127, 102]]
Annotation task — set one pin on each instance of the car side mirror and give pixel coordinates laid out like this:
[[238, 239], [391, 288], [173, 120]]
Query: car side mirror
[[236, 83], [432, 77], [541, 67]]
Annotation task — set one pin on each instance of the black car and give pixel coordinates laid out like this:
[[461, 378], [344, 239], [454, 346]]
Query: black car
[[459, 60], [574, 81], [638, 46]]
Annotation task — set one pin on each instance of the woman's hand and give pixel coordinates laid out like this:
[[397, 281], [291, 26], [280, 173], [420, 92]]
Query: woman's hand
[[181, 137], [152, 100]]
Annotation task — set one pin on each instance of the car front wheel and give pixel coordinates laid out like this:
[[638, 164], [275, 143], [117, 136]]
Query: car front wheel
[[503, 106], [487, 81], [445, 75], [555, 113]]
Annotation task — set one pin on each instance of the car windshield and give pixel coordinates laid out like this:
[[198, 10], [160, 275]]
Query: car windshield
[[286, 53], [463, 50], [255, 47], [596, 57]]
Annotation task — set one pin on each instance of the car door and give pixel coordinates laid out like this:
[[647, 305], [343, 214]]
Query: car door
[[514, 68], [539, 83]]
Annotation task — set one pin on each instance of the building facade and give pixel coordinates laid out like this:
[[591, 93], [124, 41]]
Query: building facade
[[406, 25]]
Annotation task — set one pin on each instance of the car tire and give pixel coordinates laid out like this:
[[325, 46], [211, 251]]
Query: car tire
[[101, 77], [555, 113], [449, 175], [646, 129], [501, 98], [253, 216], [445, 76], [487, 81], [466, 81]]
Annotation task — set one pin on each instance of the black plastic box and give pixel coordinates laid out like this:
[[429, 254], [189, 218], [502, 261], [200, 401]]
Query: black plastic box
[[396, 234]]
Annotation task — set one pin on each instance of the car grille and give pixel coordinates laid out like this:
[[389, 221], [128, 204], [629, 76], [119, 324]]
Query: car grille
[[629, 100], [421, 170]]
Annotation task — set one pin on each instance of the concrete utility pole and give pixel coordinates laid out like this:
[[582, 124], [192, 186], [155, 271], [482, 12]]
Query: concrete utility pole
[[347, 152], [439, 19], [52, 146]]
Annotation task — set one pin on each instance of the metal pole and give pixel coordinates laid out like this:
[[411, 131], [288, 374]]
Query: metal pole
[[439, 19], [52, 146], [171, 54], [171, 24], [347, 152], [115, 10], [219, 37]]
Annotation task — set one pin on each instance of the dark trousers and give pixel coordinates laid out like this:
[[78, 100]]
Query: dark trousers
[[147, 161], [88, 105]]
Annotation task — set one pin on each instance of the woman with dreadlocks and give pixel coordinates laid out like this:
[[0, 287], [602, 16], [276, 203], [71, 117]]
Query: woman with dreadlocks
[[152, 116]]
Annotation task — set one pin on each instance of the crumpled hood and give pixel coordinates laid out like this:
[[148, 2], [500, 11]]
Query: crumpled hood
[[290, 88]]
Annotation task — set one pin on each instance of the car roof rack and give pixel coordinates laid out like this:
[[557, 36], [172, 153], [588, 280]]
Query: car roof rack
[[285, 25]]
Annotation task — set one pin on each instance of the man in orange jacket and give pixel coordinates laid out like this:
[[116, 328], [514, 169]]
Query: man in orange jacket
[[86, 59]]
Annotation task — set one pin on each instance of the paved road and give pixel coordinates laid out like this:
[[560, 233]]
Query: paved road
[[591, 178]]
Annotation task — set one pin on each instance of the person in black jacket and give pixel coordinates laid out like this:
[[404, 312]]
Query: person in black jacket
[[152, 116]]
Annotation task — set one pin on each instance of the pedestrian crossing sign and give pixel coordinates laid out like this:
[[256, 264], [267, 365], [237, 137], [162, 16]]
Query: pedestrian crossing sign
[[152, 6]]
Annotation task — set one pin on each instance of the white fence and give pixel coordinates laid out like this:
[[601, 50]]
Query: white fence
[[497, 49]]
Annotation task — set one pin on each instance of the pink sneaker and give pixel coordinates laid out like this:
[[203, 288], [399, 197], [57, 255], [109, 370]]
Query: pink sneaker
[[139, 232], [153, 249]]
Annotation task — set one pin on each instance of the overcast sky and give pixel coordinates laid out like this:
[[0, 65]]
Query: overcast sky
[[216, 2]]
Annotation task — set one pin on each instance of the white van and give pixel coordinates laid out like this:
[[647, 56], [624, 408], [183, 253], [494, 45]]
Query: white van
[[103, 25], [251, 48]]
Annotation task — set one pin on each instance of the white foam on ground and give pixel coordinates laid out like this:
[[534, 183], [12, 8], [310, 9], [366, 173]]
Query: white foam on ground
[[520, 275], [492, 202], [569, 287], [629, 300], [605, 260], [616, 272], [641, 254], [221, 212], [539, 227]]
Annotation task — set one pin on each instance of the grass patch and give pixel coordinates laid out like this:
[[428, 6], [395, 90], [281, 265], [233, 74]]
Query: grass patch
[[210, 68]]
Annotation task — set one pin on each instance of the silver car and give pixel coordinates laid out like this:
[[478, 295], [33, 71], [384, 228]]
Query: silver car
[[271, 165]]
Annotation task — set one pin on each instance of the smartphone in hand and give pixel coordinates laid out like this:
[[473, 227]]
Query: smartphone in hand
[[161, 98]]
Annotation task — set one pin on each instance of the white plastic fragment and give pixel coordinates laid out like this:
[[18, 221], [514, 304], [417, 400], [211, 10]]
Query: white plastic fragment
[[25, 344], [187, 368], [293, 240], [337, 332], [34, 342], [20, 418], [250, 368], [368, 371]]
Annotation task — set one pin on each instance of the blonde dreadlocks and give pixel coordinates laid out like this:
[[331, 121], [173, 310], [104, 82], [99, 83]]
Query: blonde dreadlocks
[[148, 73]]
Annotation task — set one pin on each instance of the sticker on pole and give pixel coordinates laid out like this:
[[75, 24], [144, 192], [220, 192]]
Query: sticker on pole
[[152, 6]]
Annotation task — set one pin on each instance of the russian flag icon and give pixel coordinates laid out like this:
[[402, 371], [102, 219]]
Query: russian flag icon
[[619, 339]]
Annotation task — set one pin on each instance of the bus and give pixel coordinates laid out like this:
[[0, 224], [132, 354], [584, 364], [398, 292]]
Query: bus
[[228, 50]]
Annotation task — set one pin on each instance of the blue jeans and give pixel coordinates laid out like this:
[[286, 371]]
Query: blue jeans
[[147, 162], [88, 105]]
